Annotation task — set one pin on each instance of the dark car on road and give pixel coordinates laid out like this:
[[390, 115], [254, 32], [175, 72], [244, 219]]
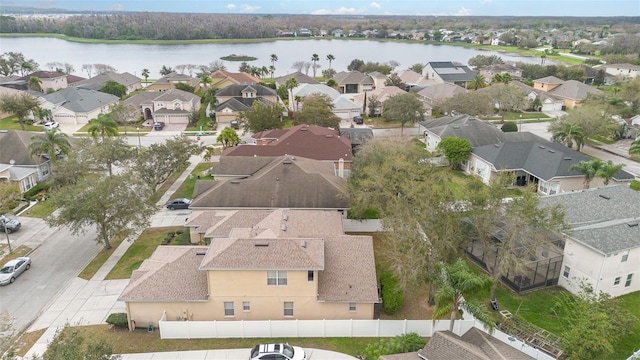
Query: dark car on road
[[158, 126], [11, 225], [179, 203], [358, 120]]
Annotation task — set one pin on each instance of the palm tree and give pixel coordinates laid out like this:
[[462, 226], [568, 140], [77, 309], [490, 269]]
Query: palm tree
[[274, 59], [145, 75], [205, 79], [103, 125], [608, 170], [478, 82], [456, 281], [568, 134], [228, 137], [272, 70], [315, 58], [635, 147], [501, 78], [49, 143], [34, 83], [330, 58], [291, 84], [588, 168]]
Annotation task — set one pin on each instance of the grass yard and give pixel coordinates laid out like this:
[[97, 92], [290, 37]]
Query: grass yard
[[630, 343], [382, 123], [525, 117], [97, 262], [41, 210], [140, 341], [131, 130], [140, 250], [16, 253], [201, 172], [11, 123]]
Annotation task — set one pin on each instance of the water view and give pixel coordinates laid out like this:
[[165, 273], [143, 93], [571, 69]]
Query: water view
[[133, 58]]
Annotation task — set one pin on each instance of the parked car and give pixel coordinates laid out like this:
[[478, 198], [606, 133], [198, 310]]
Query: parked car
[[277, 351], [235, 124], [10, 224], [11, 270], [50, 125], [179, 203], [358, 120], [158, 126]]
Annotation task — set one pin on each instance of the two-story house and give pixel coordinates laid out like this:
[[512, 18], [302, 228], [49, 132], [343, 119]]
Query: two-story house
[[49, 80], [572, 92], [236, 98], [169, 81], [447, 71], [172, 106], [262, 265], [353, 82]]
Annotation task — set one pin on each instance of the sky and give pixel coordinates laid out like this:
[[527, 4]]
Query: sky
[[357, 7]]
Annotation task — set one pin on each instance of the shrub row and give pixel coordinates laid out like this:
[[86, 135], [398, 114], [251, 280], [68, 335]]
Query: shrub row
[[400, 344], [392, 296]]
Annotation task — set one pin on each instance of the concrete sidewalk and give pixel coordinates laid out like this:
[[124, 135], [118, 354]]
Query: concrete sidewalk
[[90, 302], [232, 354]]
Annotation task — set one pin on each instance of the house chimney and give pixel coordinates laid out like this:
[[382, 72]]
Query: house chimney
[[341, 167]]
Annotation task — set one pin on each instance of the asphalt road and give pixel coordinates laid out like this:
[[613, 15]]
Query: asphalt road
[[55, 262]]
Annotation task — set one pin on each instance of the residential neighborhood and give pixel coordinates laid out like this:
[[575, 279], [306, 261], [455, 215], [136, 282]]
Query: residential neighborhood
[[522, 177]]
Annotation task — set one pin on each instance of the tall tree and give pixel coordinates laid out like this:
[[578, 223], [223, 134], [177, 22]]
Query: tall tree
[[20, 105], [315, 58], [355, 64], [318, 110], [110, 152], [507, 98], [116, 205], [156, 164], [454, 283], [587, 168], [274, 59], [205, 80], [291, 84], [593, 119], [114, 88], [608, 170], [330, 58], [228, 137], [34, 83], [417, 67], [122, 114], [478, 82], [50, 144], [259, 117], [456, 150], [145, 75], [103, 126], [567, 133], [405, 108]]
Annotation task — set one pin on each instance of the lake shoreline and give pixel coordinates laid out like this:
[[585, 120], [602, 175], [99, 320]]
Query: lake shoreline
[[532, 53]]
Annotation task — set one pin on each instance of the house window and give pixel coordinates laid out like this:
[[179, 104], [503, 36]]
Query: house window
[[310, 275], [277, 277], [228, 308], [625, 257], [616, 281], [246, 306], [288, 308], [352, 307], [566, 272], [628, 282]]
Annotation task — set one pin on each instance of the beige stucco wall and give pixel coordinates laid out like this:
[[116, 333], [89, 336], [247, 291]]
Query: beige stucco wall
[[544, 87], [54, 83]]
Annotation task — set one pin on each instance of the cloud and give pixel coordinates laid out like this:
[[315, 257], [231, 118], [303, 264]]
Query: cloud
[[463, 12], [116, 7], [340, 11], [231, 6], [375, 5], [249, 8], [485, 1]]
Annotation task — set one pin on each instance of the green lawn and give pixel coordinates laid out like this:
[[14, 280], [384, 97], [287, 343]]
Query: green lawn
[[525, 117], [41, 210], [141, 249], [11, 123], [201, 172], [630, 343]]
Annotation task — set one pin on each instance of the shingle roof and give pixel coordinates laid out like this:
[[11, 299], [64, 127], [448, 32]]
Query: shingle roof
[[441, 91], [349, 273], [549, 80], [176, 94], [449, 71], [352, 77], [236, 90], [473, 345], [411, 77], [300, 78], [542, 95], [80, 100], [14, 146], [171, 274], [239, 77], [600, 216], [176, 77], [285, 182], [125, 79], [308, 141], [574, 90], [477, 132], [304, 90], [381, 94]]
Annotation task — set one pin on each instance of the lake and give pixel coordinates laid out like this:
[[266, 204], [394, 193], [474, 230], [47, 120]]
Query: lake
[[133, 58]]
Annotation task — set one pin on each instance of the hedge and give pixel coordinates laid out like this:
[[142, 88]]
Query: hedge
[[118, 320], [392, 296]]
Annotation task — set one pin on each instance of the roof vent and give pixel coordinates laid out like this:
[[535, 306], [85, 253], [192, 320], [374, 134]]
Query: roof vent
[[604, 197], [541, 147], [261, 244], [287, 161], [285, 217], [329, 135], [632, 224], [303, 243], [304, 129], [201, 253], [283, 227], [552, 151], [235, 181], [567, 158]]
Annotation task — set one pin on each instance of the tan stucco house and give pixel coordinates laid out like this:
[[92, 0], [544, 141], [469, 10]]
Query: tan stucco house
[[265, 265], [572, 92], [169, 81], [129, 81], [77, 106], [16, 165]]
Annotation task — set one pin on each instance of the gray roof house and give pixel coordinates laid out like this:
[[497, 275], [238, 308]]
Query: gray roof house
[[272, 182], [447, 71], [132, 83], [16, 165], [543, 163], [299, 76], [434, 94], [602, 246], [77, 106], [238, 97], [353, 82]]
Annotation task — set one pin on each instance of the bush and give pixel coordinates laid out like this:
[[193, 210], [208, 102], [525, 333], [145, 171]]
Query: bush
[[399, 344], [118, 320], [509, 126], [36, 190], [392, 296], [635, 185]]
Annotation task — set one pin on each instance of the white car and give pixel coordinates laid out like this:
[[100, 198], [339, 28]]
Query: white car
[[50, 125], [277, 351], [12, 269]]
